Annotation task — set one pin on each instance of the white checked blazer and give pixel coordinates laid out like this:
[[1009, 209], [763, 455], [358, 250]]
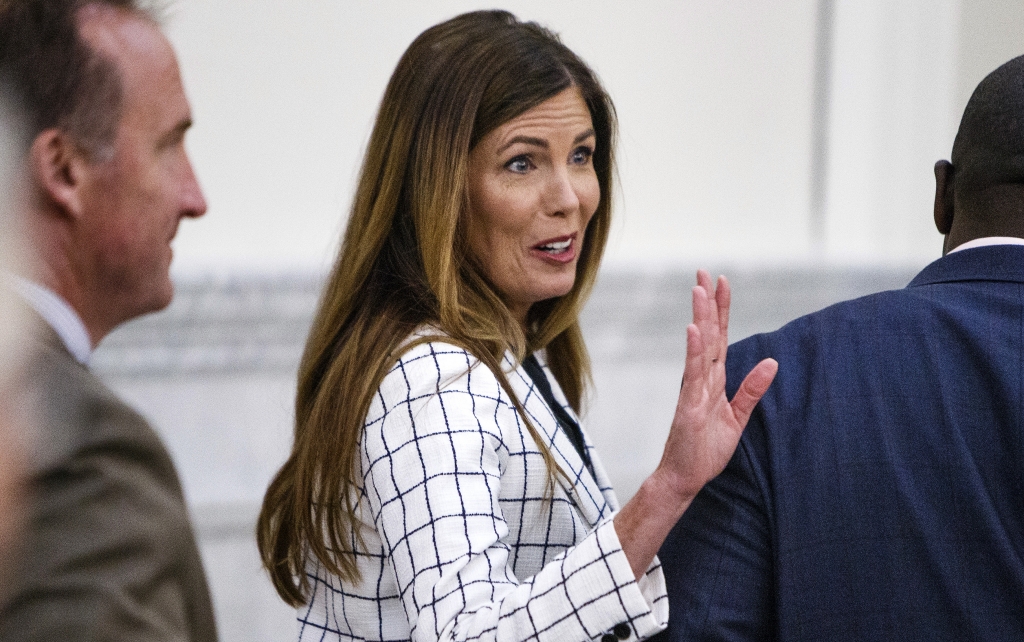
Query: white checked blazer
[[458, 540]]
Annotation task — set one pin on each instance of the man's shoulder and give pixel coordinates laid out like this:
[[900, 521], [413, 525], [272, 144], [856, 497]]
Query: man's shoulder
[[800, 337], [53, 367], [970, 286], [102, 480], [964, 283], [74, 409]]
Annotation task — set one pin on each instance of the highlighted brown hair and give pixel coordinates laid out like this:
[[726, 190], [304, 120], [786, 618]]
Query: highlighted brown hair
[[403, 263]]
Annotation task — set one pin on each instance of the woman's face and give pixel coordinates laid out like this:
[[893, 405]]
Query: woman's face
[[532, 191]]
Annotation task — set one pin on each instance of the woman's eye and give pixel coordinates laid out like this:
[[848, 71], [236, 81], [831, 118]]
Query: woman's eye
[[519, 164], [582, 155]]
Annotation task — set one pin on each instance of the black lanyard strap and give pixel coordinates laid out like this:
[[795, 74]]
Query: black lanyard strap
[[568, 425]]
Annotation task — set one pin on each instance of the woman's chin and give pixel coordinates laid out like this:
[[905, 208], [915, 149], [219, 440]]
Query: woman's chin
[[554, 292]]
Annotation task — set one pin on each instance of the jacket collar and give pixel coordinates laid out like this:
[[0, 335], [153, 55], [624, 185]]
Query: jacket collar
[[35, 329], [47, 339], [57, 314], [990, 263], [581, 487]]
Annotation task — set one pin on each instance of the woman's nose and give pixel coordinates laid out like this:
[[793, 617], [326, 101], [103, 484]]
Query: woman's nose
[[562, 195]]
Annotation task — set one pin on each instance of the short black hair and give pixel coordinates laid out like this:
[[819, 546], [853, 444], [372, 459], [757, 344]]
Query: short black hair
[[989, 146], [53, 76]]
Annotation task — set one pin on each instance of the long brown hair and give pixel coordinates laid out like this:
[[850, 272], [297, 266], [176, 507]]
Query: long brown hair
[[403, 263]]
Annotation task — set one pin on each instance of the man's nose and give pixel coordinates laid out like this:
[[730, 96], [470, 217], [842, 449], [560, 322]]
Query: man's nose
[[193, 203]]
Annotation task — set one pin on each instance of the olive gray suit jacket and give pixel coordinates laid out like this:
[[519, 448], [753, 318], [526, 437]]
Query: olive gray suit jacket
[[108, 551]]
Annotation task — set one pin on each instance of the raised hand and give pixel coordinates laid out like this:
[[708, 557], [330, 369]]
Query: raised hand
[[705, 430], [707, 426]]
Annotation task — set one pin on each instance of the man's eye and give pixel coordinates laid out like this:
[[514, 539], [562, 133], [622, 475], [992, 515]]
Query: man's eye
[[519, 164]]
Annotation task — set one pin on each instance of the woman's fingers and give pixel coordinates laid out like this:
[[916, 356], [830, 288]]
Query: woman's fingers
[[707, 426], [723, 299], [716, 335], [701, 306], [752, 389], [704, 280], [693, 373], [701, 319], [707, 341], [708, 321], [711, 319]]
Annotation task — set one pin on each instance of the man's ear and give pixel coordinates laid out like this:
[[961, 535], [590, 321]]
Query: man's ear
[[58, 168], [944, 196]]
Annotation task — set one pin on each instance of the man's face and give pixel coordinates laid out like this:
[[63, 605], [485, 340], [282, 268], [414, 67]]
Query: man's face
[[135, 195]]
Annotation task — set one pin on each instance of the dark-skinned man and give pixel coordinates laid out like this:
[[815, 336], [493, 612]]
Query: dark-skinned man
[[878, 491]]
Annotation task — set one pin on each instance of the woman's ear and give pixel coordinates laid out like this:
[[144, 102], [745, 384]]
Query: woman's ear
[[58, 166], [944, 196]]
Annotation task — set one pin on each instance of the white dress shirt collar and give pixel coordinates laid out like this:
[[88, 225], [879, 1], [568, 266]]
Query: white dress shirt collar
[[987, 241], [59, 315]]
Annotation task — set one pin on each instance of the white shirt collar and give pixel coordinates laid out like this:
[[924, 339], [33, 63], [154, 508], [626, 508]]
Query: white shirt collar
[[59, 315], [987, 241]]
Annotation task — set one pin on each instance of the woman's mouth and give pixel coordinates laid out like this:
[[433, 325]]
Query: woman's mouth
[[556, 247], [558, 250]]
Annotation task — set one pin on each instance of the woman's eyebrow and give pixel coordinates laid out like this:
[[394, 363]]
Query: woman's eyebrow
[[540, 142], [528, 140], [584, 136]]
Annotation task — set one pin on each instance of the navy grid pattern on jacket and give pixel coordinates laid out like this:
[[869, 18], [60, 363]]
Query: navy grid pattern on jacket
[[878, 491], [461, 542]]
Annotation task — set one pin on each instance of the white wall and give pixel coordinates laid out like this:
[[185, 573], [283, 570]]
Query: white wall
[[990, 34], [892, 116], [716, 105], [714, 100]]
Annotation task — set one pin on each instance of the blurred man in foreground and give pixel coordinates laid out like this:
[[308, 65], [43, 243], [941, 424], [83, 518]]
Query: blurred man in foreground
[[108, 552], [878, 491], [14, 329]]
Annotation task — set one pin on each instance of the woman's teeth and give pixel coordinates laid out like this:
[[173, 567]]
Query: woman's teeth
[[555, 248]]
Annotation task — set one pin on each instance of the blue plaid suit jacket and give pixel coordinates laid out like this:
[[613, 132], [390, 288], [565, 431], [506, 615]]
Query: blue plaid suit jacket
[[878, 492]]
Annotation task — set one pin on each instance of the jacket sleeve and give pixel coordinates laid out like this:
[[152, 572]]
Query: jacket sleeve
[[718, 560], [433, 457]]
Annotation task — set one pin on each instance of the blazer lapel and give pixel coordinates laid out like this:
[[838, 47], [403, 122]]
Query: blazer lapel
[[581, 487]]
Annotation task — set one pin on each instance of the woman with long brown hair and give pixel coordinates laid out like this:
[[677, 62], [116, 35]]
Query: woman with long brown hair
[[440, 486]]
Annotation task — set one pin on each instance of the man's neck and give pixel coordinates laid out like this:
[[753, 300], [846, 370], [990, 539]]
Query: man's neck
[[55, 271]]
